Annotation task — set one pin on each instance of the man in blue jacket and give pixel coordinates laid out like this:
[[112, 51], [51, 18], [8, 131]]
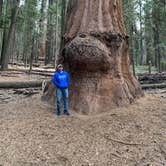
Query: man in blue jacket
[[61, 81]]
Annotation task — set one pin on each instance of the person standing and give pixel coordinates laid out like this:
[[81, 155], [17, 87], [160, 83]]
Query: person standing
[[61, 81]]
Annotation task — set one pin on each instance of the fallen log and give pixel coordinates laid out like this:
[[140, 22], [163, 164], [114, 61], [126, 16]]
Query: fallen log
[[22, 64], [35, 70], [43, 84], [17, 63], [153, 86], [21, 84], [152, 78], [40, 73]]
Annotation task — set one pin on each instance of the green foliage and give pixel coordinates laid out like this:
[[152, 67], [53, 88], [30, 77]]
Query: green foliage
[[145, 24]]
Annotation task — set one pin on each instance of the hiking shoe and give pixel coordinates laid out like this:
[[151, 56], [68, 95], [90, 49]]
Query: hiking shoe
[[58, 113], [66, 113]]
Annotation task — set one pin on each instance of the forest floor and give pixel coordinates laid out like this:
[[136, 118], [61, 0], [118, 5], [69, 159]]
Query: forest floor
[[32, 135]]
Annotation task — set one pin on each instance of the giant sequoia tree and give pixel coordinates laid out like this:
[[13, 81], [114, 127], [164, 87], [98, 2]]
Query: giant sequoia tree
[[96, 55]]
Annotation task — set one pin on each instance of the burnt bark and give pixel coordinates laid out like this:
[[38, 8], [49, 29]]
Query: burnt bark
[[96, 54]]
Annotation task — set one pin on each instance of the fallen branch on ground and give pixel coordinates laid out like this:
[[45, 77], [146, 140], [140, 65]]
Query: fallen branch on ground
[[121, 142], [27, 92]]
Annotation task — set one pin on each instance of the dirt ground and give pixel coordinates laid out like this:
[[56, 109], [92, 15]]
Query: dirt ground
[[32, 135]]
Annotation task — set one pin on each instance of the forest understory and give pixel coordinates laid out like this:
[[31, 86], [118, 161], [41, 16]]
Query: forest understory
[[32, 135]]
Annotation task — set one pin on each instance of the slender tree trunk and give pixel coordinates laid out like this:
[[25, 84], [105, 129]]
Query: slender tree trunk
[[12, 45], [56, 35], [63, 12], [7, 37], [25, 31], [132, 51], [32, 54], [1, 6], [43, 28], [156, 42], [1, 30], [148, 57], [136, 44], [96, 54], [158, 49], [155, 52], [156, 17], [36, 52], [17, 48], [49, 47], [159, 59], [141, 34], [63, 16]]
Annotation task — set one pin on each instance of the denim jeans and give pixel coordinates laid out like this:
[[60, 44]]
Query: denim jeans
[[59, 94]]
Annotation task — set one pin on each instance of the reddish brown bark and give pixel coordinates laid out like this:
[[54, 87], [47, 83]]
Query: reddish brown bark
[[96, 54], [43, 27]]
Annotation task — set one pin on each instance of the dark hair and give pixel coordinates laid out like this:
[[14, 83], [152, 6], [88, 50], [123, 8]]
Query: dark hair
[[59, 65]]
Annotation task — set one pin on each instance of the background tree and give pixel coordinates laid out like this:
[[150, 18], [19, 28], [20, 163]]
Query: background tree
[[1, 5], [158, 13], [43, 28], [50, 32], [1, 22], [7, 34], [30, 28], [129, 14]]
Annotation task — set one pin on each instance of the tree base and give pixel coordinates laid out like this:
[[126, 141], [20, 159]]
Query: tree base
[[93, 93]]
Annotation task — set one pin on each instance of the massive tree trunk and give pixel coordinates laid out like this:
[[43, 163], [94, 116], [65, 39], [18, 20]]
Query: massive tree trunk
[[96, 54]]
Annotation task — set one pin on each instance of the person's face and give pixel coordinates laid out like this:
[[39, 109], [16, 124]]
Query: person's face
[[60, 68]]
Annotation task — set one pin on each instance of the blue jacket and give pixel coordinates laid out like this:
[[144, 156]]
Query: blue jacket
[[61, 80]]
